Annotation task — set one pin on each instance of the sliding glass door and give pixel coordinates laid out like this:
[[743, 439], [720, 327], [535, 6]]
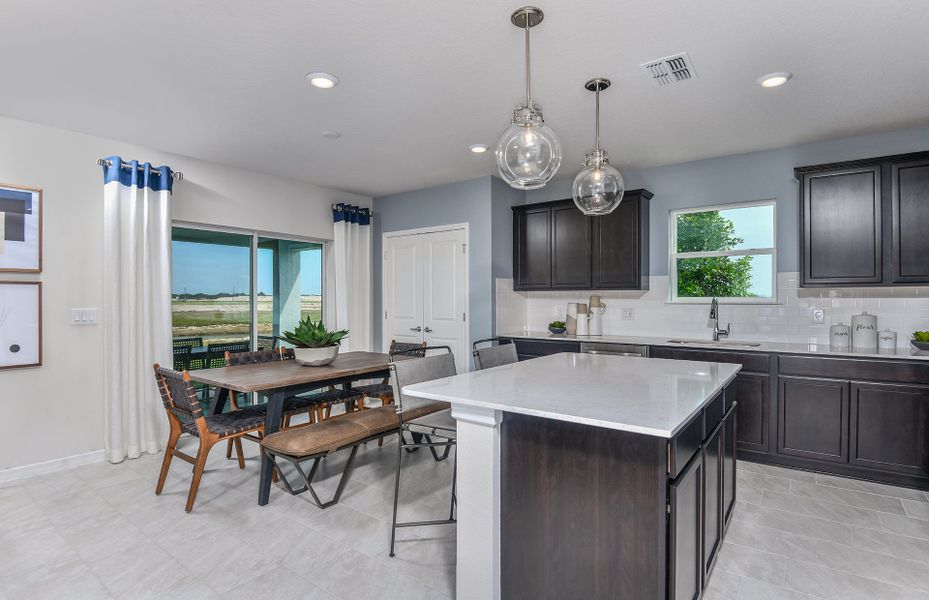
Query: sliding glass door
[[235, 291]]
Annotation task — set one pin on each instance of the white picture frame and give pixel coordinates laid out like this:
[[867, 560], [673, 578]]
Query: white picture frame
[[20, 229]]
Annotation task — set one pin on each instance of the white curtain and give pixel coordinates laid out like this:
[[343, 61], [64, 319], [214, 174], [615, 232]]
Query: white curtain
[[136, 304], [351, 254]]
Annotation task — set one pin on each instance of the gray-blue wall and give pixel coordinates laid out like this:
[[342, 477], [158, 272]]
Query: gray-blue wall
[[462, 202], [739, 178]]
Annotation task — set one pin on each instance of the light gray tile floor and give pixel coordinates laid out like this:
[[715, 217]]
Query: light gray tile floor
[[99, 531]]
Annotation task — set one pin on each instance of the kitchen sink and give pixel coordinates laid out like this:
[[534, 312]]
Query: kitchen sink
[[721, 344]]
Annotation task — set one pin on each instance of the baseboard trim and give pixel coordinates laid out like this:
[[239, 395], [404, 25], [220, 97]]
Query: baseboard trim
[[51, 466]]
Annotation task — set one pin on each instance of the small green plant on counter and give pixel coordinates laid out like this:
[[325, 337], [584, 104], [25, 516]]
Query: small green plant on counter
[[921, 336], [557, 325], [313, 334]]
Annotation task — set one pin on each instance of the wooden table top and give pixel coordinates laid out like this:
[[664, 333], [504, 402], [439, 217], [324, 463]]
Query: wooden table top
[[285, 373]]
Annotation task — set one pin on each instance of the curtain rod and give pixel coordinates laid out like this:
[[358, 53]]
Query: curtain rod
[[108, 163]]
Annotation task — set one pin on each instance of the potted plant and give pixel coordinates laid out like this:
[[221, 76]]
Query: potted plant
[[314, 345], [556, 327]]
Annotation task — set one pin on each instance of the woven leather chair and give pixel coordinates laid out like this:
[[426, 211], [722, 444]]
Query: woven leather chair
[[424, 420], [501, 351], [185, 415]]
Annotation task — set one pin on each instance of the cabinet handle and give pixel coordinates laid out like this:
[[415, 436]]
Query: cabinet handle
[[417, 328], [428, 330]]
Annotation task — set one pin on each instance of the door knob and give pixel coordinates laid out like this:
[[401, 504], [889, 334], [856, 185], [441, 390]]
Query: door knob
[[417, 328], [428, 330]]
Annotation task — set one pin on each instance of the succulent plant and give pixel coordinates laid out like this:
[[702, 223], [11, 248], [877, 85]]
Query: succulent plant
[[557, 324], [313, 334], [921, 336]]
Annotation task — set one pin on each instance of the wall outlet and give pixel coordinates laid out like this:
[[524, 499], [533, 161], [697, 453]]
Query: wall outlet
[[83, 316], [628, 314], [819, 316]]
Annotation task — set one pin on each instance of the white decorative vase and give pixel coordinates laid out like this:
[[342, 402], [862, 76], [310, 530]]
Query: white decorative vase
[[316, 357]]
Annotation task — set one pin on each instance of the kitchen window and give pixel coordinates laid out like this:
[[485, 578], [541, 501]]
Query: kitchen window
[[726, 252]]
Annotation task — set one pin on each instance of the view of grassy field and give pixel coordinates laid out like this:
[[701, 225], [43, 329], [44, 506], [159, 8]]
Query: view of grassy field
[[226, 318]]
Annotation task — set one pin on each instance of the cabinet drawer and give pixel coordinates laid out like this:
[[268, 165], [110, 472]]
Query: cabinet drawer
[[714, 412], [686, 444], [855, 368], [750, 361], [534, 348]]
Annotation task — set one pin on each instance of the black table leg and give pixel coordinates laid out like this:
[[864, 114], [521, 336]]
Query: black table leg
[[219, 402], [272, 424]]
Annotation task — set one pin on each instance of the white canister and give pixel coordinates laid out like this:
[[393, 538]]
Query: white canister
[[839, 336], [864, 330], [887, 340]]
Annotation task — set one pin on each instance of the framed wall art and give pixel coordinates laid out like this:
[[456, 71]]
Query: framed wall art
[[20, 324], [20, 229]]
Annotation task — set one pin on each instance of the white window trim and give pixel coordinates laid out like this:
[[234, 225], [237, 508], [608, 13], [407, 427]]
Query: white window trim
[[673, 255]]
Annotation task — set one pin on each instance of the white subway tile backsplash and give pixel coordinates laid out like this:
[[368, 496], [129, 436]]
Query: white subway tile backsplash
[[903, 310]]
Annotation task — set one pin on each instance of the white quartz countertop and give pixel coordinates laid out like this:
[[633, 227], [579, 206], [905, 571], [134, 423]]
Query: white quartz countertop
[[650, 396], [907, 353]]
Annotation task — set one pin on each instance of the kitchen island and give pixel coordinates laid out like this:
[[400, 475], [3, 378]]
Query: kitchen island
[[590, 476]]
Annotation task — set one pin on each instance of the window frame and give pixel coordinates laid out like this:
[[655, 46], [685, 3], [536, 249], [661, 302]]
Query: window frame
[[674, 255], [255, 234]]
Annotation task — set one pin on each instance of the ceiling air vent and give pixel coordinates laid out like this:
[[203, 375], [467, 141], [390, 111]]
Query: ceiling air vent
[[671, 69]]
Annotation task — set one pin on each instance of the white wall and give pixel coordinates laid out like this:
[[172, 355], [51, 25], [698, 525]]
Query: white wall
[[900, 309], [56, 410]]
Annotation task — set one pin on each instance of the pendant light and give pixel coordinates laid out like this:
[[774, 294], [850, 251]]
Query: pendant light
[[528, 153], [598, 189]]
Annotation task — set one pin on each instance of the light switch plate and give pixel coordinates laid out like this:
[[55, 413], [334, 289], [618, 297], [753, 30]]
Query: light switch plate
[[819, 315], [628, 314], [83, 316]]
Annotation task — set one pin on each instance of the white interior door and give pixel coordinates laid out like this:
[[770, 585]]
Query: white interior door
[[425, 289], [445, 299], [403, 290]]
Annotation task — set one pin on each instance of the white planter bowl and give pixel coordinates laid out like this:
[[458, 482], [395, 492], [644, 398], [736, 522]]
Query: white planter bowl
[[316, 357]]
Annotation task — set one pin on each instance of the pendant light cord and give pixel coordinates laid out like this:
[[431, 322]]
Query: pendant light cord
[[528, 84], [597, 119]]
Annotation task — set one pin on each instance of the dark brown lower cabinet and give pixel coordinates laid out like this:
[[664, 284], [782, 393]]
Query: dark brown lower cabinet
[[730, 445], [753, 394], [813, 418], [888, 427], [685, 567], [713, 476]]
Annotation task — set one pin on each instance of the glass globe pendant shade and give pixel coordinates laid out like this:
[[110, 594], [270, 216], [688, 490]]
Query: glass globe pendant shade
[[598, 189], [528, 153]]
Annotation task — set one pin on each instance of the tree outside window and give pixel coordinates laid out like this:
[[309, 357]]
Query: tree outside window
[[725, 252]]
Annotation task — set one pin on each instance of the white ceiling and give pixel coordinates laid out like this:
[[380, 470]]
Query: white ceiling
[[223, 80]]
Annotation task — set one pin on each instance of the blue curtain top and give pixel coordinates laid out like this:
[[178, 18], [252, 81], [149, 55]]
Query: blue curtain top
[[135, 174], [351, 214]]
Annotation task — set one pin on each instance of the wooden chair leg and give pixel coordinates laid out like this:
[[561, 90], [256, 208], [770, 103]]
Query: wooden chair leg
[[202, 453], [173, 437], [286, 422], [238, 452], [228, 448]]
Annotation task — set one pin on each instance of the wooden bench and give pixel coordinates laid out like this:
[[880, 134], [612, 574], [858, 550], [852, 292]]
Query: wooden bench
[[318, 440]]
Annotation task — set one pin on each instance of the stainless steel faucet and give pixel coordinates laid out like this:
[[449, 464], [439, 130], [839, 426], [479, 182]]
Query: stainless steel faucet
[[714, 315]]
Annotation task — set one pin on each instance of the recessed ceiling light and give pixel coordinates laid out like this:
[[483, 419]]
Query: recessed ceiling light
[[332, 135], [774, 79], [478, 148], [322, 80]]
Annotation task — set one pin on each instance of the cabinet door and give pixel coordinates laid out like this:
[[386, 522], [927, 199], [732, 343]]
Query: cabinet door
[[730, 426], [620, 244], [570, 248], [712, 498], [910, 201], [532, 257], [841, 226], [753, 401], [813, 418], [888, 427], [685, 560]]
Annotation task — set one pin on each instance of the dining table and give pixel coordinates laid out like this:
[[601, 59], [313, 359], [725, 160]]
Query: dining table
[[280, 379]]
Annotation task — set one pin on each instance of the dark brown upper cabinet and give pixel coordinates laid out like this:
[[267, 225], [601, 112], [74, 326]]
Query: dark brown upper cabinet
[[863, 223], [556, 247]]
